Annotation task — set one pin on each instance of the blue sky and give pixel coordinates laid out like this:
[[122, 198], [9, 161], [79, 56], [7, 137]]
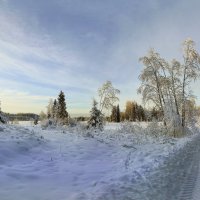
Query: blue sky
[[76, 45]]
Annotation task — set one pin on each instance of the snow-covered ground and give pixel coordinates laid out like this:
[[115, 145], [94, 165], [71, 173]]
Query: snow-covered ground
[[71, 164]]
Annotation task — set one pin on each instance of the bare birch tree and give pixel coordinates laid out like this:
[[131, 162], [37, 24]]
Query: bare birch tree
[[167, 85], [108, 96], [151, 87]]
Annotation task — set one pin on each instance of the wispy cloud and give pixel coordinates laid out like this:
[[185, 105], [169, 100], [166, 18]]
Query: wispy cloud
[[46, 46]]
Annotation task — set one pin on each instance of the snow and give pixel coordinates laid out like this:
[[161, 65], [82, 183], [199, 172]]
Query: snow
[[72, 164]]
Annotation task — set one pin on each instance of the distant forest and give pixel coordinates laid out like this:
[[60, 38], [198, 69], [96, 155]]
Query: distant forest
[[22, 116]]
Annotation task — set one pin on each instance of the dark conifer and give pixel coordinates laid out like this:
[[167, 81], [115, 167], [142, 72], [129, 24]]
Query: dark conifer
[[62, 112], [113, 116], [118, 114], [55, 110]]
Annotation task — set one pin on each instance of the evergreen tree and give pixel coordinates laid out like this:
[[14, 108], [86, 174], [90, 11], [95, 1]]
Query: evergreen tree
[[96, 117], [54, 109], [128, 111], [134, 110], [155, 114], [141, 113], [122, 116], [113, 116], [131, 111], [62, 112], [137, 112], [118, 114]]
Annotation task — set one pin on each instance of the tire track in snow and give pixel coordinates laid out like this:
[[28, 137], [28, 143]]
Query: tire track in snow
[[191, 182], [176, 178], [196, 191]]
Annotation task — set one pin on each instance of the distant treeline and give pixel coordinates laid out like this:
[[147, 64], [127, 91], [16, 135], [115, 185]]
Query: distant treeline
[[22, 116], [133, 112]]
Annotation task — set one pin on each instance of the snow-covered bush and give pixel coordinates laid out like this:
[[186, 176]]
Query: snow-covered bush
[[72, 122], [155, 129], [129, 127], [44, 123], [3, 118], [35, 121], [48, 123], [132, 133], [1, 129], [15, 122], [140, 134]]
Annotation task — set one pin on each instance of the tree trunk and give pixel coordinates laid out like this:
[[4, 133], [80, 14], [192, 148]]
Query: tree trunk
[[174, 94], [161, 98], [183, 99]]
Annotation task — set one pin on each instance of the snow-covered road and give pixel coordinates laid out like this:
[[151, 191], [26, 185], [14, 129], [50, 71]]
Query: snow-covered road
[[182, 171], [40, 164], [196, 186]]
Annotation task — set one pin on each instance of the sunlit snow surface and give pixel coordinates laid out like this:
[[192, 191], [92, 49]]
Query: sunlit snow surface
[[65, 164]]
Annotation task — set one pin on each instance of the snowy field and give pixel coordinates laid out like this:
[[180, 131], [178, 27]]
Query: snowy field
[[72, 164]]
